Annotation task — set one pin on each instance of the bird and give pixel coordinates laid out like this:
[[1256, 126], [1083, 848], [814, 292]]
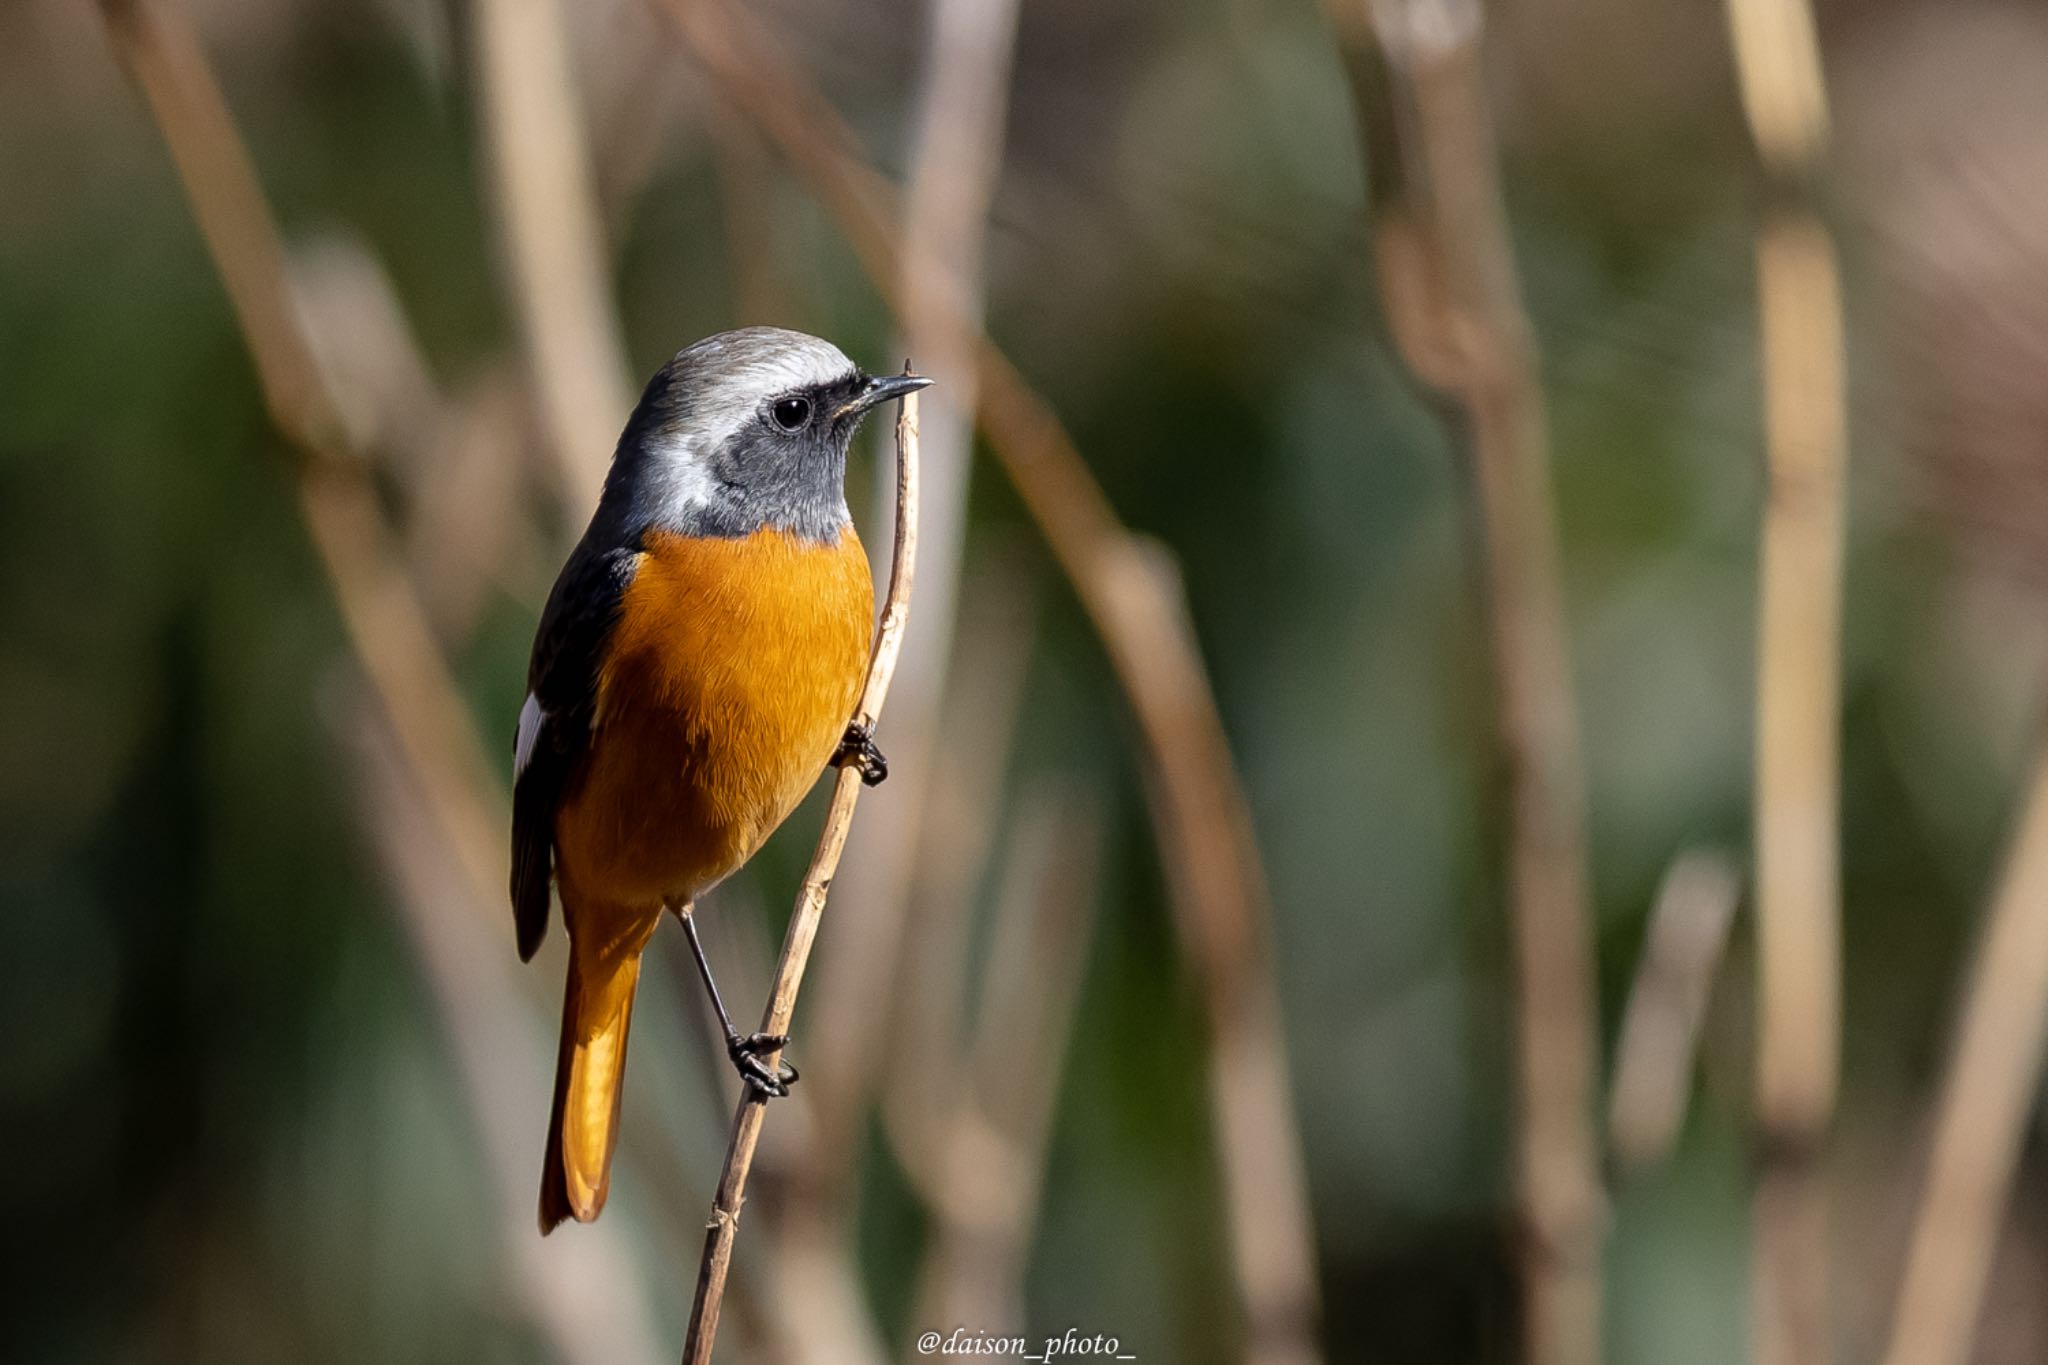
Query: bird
[[694, 671]]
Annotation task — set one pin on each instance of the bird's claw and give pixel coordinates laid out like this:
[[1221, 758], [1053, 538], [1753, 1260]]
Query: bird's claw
[[745, 1054], [858, 749]]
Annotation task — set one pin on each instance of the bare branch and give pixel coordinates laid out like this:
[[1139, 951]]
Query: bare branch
[[1987, 1102], [1448, 273], [723, 1226], [595, 1314], [554, 235], [1798, 878]]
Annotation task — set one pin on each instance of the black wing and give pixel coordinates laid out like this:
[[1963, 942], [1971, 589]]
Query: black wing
[[562, 688]]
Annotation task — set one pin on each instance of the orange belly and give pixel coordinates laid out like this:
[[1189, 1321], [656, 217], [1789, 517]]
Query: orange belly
[[727, 684]]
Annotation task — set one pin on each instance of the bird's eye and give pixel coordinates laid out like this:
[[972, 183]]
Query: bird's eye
[[791, 413]]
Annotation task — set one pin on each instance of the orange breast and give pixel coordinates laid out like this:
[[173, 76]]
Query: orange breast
[[726, 686]]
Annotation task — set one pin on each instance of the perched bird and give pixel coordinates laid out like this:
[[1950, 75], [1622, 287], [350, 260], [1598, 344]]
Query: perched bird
[[694, 672]]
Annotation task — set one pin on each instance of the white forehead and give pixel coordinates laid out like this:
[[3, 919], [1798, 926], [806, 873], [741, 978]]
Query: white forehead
[[732, 374]]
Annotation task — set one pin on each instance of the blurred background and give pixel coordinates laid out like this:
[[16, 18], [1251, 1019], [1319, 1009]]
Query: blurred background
[[272, 1079]]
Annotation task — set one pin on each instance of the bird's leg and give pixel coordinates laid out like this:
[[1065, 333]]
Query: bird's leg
[[857, 748], [744, 1050]]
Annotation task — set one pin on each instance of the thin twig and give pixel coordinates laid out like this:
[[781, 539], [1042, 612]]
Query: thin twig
[[795, 1259], [1667, 1005], [723, 1226], [1450, 279], [1986, 1104], [1133, 598], [554, 235], [1798, 893], [380, 608]]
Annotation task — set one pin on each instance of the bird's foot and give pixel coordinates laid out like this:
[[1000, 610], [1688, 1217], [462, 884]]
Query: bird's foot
[[858, 749], [746, 1059]]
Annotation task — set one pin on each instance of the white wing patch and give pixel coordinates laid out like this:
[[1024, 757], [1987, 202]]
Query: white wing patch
[[531, 718]]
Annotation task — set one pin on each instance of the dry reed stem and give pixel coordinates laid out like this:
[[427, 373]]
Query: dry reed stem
[[1797, 874], [1474, 337], [380, 608], [1133, 598], [633, 100], [723, 1226], [810, 1265], [449, 455], [1135, 604], [978, 725], [1667, 1006], [1799, 678], [1798, 880], [1986, 1104], [989, 1157], [554, 238], [955, 165], [1784, 95]]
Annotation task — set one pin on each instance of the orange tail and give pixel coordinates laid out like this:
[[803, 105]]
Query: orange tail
[[590, 1073]]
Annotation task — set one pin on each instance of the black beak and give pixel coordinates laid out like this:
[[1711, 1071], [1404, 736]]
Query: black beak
[[879, 389]]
